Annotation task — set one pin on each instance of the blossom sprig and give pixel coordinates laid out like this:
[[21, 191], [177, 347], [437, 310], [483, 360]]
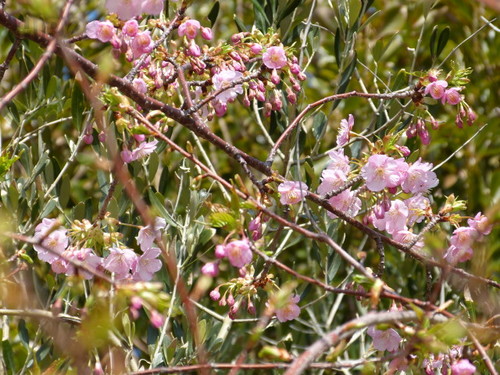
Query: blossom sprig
[[100, 250]]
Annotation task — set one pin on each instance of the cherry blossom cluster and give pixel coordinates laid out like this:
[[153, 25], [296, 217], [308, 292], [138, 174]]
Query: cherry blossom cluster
[[463, 238], [389, 180], [210, 69], [447, 90], [242, 290], [452, 361], [62, 248]]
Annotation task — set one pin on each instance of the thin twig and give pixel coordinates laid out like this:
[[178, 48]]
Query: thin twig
[[39, 65]]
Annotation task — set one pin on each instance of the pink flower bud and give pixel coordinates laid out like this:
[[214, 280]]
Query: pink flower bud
[[220, 108], [291, 97], [236, 38], [220, 251], [405, 151], [193, 50], [295, 69], [206, 33], [102, 137], [256, 48], [471, 117], [459, 121], [139, 137], [88, 139], [210, 269], [268, 107], [301, 76], [136, 302], [251, 308], [230, 300], [215, 295], [254, 224], [275, 78], [156, 319]]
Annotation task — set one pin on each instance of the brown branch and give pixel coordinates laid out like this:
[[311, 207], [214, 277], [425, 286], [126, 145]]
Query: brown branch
[[190, 123], [51, 47], [392, 95], [252, 366], [333, 337], [12, 52]]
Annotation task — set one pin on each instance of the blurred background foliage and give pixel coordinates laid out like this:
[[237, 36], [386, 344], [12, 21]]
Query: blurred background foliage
[[345, 45]]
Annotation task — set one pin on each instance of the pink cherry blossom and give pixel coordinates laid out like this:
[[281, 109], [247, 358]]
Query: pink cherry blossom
[[436, 89], [53, 243], [127, 156], [84, 255], [119, 261], [451, 96], [140, 85], [225, 78], [385, 340], [147, 265], [274, 57], [292, 192], [420, 178], [147, 235], [347, 202], [144, 149], [481, 224], [331, 179], [339, 161], [395, 219], [344, 131], [125, 9], [189, 28], [141, 44], [103, 31], [239, 253], [457, 254], [416, 205], [463, 367], [290, 310], [153, 7], [406, 237], [463, 237], [210, 269], [131, 28], [382, 171]]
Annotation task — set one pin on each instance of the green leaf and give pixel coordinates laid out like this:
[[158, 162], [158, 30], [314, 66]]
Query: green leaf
[[443, 40], [77, 106], [8, 357], [64, 191], [319, 125], [288, 9], [239, 24], [261, 20], [156, 200], [214, 12], [432, 43], [39, 167], [23, 333], [222, 219]]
